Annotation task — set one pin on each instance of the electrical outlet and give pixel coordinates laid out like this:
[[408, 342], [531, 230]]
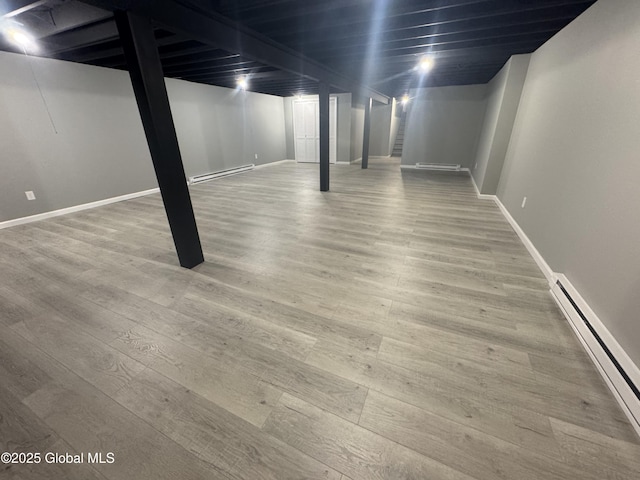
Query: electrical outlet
[[524, 202], [30, 195], [256, 156]]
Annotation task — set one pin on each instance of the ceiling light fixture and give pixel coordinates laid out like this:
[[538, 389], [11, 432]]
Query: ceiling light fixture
[[242, 83], [20, 38], [405, 99], [424, 64]]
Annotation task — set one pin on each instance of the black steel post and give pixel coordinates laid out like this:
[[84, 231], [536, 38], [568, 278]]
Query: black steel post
[[366, 133], [145, 69], [323, 93]]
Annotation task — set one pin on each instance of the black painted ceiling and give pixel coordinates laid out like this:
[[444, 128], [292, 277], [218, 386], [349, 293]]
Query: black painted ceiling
[[374, 42]]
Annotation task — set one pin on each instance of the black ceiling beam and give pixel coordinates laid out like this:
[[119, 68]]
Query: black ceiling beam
[[183, 52], [213, 29], [180, 57], [476, 52], [541, 34], [241, 72], [230, 63], [56, 17], [288, 13], [481, 5], [458, 27], [213, 70], [523, 27], [98, 53], [526, 45], [408, 21], [495, 39], [487, 20], [11, 8], [99, 32], [450, 67], [232, 77], [308, 8], [115, 56], [447, 79]]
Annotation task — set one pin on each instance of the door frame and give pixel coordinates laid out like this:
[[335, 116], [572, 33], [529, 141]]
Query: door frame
[[333, 126]]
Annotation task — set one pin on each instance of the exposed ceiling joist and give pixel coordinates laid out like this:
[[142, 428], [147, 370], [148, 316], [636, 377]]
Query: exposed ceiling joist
[[268, 75], [376, 43], [200, 49], [11, 8], [99, 32], [213, 29], [225, 69], [346, 25]]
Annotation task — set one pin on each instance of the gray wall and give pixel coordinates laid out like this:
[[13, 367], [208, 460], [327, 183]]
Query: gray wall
[[219, 128], [357, 131], [380, 128], [344, 127], [574, 154], [396, 113], [443, 125], [503, 98], [288, 127], [99, 150]]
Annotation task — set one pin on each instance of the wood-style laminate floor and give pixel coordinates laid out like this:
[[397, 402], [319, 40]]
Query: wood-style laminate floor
[[394, 328]]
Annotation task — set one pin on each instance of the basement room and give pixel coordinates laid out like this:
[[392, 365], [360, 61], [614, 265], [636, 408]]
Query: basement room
[[339, 240]]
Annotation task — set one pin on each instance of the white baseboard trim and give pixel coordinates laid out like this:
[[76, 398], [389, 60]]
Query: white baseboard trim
[[342, 163], [273, 164], [622, 391], [228, 172], [537, 257], [86, 206], [609, 357], [533, 251], [75, 208], [99, 203], [475, 185]]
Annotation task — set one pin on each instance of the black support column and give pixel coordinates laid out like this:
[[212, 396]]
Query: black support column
[[145, 69], [366, 133], [323, 93]]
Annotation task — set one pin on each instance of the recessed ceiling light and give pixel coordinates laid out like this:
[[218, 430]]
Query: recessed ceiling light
[[405, 99], [242, 83], [425, 64], [19, 37]]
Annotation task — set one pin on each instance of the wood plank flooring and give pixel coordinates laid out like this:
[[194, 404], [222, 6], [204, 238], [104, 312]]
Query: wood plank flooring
[[393, 328]]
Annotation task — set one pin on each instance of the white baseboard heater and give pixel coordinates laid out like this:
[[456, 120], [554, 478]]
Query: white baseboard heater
[[618, 370], [438, 166], [205, 177]]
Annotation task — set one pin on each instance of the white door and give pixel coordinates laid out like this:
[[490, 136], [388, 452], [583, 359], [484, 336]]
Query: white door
[[306, 129]]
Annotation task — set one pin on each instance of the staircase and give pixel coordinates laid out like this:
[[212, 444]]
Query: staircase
[[397, 146]]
